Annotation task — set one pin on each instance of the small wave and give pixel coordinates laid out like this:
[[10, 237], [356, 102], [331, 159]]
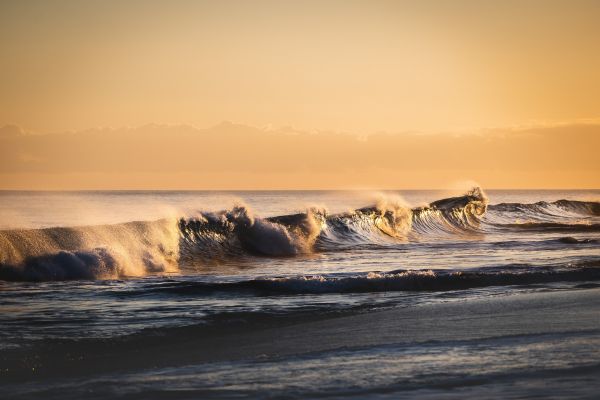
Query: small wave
[[551, 227], [409, 280], [572, 240], [555, 208], [548, 244]]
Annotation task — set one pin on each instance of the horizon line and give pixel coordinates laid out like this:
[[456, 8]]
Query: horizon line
[[288, 190]]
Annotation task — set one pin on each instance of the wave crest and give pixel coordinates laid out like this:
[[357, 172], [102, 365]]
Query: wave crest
[[237, 229], [139, 248]]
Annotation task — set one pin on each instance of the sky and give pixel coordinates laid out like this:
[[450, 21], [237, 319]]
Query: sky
[[86, 79]]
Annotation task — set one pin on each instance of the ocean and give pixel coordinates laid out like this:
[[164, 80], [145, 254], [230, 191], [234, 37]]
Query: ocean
[[300, 294]]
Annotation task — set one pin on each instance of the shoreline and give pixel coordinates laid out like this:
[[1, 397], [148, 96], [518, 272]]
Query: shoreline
[[517, 314]]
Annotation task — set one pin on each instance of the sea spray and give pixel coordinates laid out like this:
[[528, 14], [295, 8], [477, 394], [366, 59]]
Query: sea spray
[[95, 252]]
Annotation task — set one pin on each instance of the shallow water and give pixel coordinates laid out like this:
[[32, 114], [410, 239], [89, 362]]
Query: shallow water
[[186, 269]]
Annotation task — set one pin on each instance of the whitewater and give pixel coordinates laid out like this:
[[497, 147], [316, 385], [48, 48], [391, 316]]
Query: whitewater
[[300, 294]]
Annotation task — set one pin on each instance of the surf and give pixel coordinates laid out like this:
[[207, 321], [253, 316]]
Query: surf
[[141, 248]]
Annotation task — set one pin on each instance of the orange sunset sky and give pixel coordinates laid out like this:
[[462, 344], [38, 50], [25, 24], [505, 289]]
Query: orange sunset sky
[[299, 95]]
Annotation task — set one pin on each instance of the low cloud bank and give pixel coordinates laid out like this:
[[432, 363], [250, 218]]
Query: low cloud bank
[[238, 156]]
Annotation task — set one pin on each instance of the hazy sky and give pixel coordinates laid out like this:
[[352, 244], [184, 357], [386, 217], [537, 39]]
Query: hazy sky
[[233, 156], [354, 66]]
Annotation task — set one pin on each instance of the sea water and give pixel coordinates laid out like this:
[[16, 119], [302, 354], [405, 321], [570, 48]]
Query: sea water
[[214, 294]]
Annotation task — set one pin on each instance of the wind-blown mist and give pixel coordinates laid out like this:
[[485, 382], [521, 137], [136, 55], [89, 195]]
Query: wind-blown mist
[[232, 156]]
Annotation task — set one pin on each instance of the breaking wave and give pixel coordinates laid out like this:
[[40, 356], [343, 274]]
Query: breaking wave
[[94, 252], [388, 221], [141, 248]]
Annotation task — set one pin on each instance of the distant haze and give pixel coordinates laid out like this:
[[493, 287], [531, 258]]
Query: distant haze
[[233, 156]]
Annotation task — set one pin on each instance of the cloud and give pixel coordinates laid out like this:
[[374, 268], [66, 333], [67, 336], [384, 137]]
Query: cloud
[[535, 156], [11, 130]]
